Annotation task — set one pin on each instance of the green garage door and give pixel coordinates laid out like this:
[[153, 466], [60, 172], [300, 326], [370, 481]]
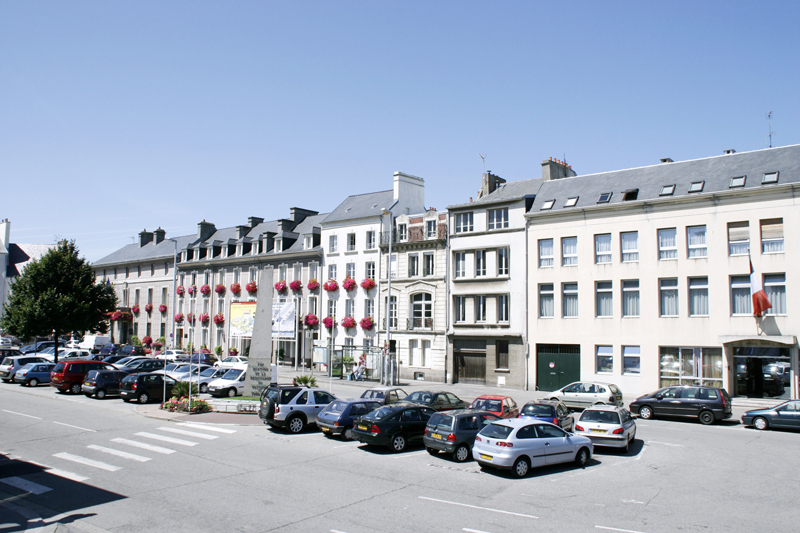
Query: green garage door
[[557, 365]]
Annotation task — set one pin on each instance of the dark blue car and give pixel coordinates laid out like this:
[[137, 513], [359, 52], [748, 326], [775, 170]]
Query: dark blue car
[[203, 358], [34, 373], [337, 417], [785, 415]]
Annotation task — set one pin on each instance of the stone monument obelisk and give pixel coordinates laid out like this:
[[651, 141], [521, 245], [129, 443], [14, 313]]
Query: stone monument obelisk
[[258, 368]]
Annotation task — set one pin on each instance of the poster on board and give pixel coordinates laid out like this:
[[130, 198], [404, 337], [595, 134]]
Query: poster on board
[[242, 318], [283, 320]]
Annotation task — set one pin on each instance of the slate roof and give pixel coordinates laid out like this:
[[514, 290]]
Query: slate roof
[[514, 190], [150, 251], [361, 206], [304, 228], [19, 255], [716, 173]]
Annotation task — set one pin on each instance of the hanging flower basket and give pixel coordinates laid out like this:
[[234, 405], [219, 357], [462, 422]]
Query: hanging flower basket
[[328, 322], [348, 322], [296, 285], [368, 284], [310, 320], [313, 284], [236, 288], [148, 308], [220, 289], [192, 290], [180, 290], [121, 316], [233, 351], [331, 285], [190, 318], [349, 284], [204, 318], [147, 340], [135, 309], [179, 318], [367, 323], [162, 308], [205, 290], [280, 287], [251, 287], [219, 318]]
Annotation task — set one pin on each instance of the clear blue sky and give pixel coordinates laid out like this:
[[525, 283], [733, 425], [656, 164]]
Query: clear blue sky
[[122, 116]]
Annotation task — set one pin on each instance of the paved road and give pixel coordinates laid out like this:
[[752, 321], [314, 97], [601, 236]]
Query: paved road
[[70, 463]]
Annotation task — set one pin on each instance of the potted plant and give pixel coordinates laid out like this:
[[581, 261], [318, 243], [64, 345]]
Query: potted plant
[[148, 308], [367, 323], [180, 290], [280, 287], [147, 340], [233, 351], [220, 289], [310, 320], [331, 285], [192, 290], [236, 288], [296, 285], [190, 318], [368, 284], [179, 318], [349, 284], [162, 308], [348, 322], [135, 309], [251, 287], [328, 322], [313, 284], [204, 318], [219, 318], [205, 290]]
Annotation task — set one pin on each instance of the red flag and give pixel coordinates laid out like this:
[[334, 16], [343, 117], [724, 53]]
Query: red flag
[[760, 300]]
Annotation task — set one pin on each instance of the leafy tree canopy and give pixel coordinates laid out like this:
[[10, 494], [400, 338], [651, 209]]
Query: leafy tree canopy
[[58, 293]]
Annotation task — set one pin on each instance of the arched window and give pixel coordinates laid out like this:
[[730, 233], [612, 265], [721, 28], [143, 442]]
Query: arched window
[[421, 311]]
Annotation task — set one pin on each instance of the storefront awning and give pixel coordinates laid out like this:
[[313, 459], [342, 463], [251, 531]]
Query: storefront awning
[[762, 340]]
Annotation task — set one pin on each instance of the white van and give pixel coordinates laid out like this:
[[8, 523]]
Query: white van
[[94, 342]]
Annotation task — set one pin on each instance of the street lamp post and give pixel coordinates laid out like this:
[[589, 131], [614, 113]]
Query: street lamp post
[[390, 377]]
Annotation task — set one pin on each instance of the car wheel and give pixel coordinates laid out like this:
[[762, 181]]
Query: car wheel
[[521, 467], [33, 382], [100, 394], [707, 418], [645, 412], [348, 434], [398, 443], [760, 422], [296, 425], [204, 388], [582, 457], [432, 451], [75, 389], [461, 454], [144, 397], [231, 392]]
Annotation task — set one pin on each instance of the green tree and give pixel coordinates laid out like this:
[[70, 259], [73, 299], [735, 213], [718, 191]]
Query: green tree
[[58, 294]]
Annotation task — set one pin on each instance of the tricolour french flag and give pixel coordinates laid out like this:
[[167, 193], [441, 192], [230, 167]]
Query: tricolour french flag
[[760, 300]]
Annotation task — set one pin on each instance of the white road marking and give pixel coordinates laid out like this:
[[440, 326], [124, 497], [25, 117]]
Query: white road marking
[[633, 501], [144, 446], [21, 414], [61, 473], [348, 445], [24, 484], [616, 529], [207, 427], [88, 462], [76, 427], [118, 453], [400, 456], [166, 439], [476, 507], [473, 530], [189, 433], [336, 531], [665, 443]]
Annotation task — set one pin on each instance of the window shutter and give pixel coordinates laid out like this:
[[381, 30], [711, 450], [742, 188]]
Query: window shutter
[[738, 231], [772, 228]]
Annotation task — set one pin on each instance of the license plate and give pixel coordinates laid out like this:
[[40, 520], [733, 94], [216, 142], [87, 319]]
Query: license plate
[[487, 457], [598, 431], [87, 383], [325, 430], [436, 436], [362, 427]]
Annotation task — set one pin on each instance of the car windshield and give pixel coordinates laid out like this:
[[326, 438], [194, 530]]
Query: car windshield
[[441, 421], [486, 405], [537, 409], [378, 414], [335, 408], [600, 417], [59, 368], [496, 431], [207, 373], [373, 394], [233, 373]]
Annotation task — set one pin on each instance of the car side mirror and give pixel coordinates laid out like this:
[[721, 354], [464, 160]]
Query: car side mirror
[[659, 397]]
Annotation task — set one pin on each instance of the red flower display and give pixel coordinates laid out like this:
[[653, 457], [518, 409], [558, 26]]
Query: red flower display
[[328, 322], [280, 286], [147, 340], [313, 284], [180, 290], [348, 322], [190, 318], [179, 318], [368, 284], [296, 285], [349, 284], [331, 285], [205, 290], [121, 316], [192, 290], [219, 318], [204, 318], [367, 323], [162, 308], [233, 351], [220, 289], [135, 309], [236, 288], [310, 320], [148, 308], [251, 287]]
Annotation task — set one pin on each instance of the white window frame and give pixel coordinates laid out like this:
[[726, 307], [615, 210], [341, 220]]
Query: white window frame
[[628, 287], [332, 271], [547, 292], [697, 286], [545, 260], [604, 352], [740, 287], [459, 309], [569, 259], [666, 285], [464, 222], [413, 265], [570, 290], [502, 308], [370, 243], [369, 269], [402, 232], [631, 352], [351, 242], [696, 250], [480, 309], [480, 263], [503, 261], [498, 218], [430, 229], [629, 255], [604, 289], [460, 265], [428, 264], [667, 252], [333, 244], [776, 283], [602, 256]]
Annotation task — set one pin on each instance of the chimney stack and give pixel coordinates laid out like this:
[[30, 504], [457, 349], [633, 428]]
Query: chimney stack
[[666, 160], [553, 169], [145, 237], [205, 230], [159, 235], [490, 183]]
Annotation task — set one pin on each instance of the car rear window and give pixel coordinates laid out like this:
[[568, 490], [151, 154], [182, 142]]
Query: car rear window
[[378, 414], [441, 421], [424, 397], [496, 431], [537, 409], [336, 407], [601, 417], [614, 389], [59, 368], [708, 394], [7, 361], [486, 405], [282, 396]]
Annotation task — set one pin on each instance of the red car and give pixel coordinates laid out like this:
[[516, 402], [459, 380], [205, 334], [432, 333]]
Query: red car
[[502, 406]]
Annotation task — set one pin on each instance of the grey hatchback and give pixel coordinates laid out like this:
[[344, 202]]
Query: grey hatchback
[[707, 404], [454, 432]]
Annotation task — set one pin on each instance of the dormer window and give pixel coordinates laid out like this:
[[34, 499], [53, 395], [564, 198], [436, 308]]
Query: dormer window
[[402, 232], [308, 242], [604, 198], [667, 190], [571, 202], [737, 182], [696, 186], [770, 177], [548, 205]]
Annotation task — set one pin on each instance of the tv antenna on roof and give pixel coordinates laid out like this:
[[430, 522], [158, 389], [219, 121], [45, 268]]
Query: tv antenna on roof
[[483, 160], [769, 120]]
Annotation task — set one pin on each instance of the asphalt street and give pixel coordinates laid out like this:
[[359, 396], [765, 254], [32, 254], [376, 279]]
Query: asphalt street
[[70, 463]]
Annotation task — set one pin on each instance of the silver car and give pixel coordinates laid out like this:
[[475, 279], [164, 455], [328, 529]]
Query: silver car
[[206, 376], [582, 394], [607, 425], [519, 444]]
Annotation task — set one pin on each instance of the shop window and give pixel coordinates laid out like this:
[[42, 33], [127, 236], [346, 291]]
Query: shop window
[[501, 355]]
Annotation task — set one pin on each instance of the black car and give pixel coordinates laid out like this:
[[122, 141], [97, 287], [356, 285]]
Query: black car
[[112, 359], [130, 349], [438, 401], [144, 387], [785, 415], [551, 411], [337, 417], [454, 432], [707, 404], [143, 365], [395, 426], [102, 383], [109, 349]]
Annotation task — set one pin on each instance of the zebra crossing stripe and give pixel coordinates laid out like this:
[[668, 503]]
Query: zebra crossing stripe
[[72, 476], [144, 446], [118, 453], [24, 484], [189, 433], [207, 427], [166, 439], [88, 462]]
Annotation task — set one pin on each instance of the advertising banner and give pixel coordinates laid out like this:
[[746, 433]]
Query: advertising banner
[[242, 318], [283, 320]]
